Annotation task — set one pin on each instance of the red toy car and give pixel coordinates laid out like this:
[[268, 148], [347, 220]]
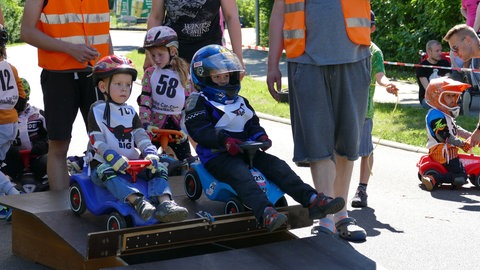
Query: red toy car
[[471, 163]]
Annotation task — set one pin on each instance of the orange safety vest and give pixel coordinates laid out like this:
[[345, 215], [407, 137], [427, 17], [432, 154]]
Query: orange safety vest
[[357, 22], [78, 22]]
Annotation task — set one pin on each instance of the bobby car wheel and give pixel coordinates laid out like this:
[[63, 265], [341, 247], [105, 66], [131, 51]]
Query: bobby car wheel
[[193, 186], [234, 205], [77, 202], [116, 222], [430, 172], [475, 180]]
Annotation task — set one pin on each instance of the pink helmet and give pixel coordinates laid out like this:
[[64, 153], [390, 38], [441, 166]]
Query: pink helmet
[[438, 87], [160, 36], [113, 64]]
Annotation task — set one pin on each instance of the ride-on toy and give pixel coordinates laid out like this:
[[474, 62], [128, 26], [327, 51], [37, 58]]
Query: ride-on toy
[[471, 163], [86, 195], [164, 137], [198, 178]]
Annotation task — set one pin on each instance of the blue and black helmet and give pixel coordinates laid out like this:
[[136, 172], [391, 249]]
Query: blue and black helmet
[[215, 60]]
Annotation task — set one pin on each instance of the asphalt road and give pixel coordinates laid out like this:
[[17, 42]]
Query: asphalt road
[[407, 227]]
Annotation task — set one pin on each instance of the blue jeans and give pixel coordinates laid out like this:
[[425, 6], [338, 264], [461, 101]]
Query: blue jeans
[[425, 105], [120, 186]]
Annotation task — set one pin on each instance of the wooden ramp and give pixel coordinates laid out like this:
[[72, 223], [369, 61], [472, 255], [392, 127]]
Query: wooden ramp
[[45, 231]]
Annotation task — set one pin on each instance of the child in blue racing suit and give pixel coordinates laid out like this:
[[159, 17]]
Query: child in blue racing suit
[[220, 120], [442, 95], [115, 132]]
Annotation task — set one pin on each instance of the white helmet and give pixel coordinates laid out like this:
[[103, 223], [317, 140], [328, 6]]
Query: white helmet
[[160, 36]]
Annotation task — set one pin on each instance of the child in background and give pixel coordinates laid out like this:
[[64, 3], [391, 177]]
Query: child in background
[[115, 133], [164, 89], [220, 120], [32, 136], [12, 100], [442, 95]]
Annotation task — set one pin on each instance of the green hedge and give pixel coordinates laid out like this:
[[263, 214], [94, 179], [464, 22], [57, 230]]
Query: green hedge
[[403, 26], [12, 13]]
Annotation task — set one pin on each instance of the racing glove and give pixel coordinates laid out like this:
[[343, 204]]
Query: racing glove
[[232, 145], [180, 138], [154, 159], [268, 143], [118, 162], [466, 147], [149, 129]]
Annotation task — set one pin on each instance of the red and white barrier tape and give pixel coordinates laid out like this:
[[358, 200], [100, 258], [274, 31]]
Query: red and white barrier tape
[[261, 48], [429, 66]]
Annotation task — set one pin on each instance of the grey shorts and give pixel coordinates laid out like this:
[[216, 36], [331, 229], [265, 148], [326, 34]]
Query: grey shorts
[[366, 144], [327, 109]]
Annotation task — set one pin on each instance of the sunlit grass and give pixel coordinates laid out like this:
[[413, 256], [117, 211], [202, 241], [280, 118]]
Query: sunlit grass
[[404, 124]]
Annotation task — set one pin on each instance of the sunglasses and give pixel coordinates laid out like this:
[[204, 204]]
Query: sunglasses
[[455, 48]]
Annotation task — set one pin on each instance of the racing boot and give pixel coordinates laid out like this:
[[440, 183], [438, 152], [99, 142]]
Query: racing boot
[[324, 205], [272, 219], [144, 208], [169, 211], [429, 182]]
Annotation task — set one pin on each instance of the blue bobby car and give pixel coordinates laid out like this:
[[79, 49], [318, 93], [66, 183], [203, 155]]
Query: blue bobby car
[[198, 179], [86, 195]]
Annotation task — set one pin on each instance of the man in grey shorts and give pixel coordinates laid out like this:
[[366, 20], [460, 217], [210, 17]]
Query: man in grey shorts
[[328, 92]]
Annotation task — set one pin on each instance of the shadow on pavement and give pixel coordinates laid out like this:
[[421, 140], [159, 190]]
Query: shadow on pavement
[[366, 216]]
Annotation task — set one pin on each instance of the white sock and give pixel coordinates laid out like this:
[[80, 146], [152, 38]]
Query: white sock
[[327, 222], [340, 215]]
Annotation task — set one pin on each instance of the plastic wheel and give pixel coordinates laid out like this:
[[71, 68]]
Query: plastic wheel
[[475, 180], [282, 202], [77, 202], [116, 222], [234, 206], [431, 172], [193, 186]]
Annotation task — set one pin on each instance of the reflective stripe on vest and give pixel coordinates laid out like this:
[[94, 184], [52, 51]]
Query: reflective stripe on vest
[[77, 22], [294, 28], [357, 22]]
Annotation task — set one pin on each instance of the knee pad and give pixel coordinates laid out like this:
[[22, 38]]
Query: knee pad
[[105, 172]]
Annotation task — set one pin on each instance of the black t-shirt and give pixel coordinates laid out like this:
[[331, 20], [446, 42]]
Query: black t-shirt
[[427, 72], [197, 23]]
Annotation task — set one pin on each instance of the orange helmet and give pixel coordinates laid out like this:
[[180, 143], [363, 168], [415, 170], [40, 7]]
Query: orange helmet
[[436, 89]]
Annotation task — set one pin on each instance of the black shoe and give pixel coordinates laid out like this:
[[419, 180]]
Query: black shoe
[[144, 208], [360, 198]]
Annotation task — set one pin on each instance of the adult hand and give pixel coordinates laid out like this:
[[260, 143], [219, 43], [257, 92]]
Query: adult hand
[[232, 145], [118, 162], [475, 138], [274, 82], [84, 53], [392, 89]]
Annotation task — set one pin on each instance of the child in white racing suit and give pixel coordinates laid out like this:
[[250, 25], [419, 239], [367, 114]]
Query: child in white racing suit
[[12, 100], [116, 133], [442, 95], [220, 120], [32, 137]]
